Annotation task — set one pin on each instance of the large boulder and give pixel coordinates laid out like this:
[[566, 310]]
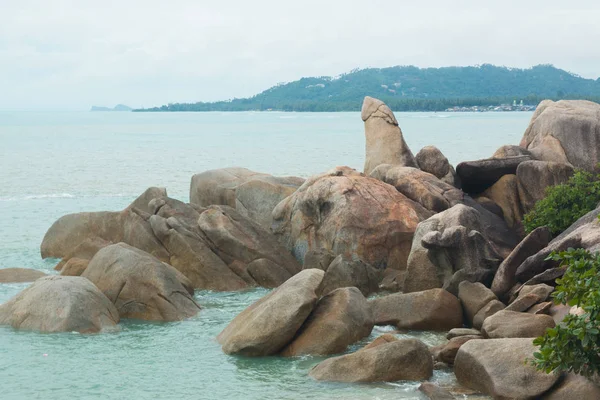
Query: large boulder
[[573, 386], [129, 226], [343, 272], [447, 354], [267, 326], [252, 194], [384, 141], [60, 304], [406, 359], [421, 187], [512, 324], [140, 285], [18, 275], [499, 368], [505, 278], [477, 176], [448, 248], [534, 177], [430, 159], [339, 319], [350, 214], [505, 194], [434, 309], [566, 131], [473, 297]]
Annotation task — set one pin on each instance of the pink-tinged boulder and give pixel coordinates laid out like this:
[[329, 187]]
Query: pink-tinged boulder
[[384, 141], [512, 324], [349, 214]]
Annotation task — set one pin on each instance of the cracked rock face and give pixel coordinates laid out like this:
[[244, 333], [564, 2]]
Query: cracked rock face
[[140, 285], [347, 213], [566, 131], [60, 304], [384, 141]]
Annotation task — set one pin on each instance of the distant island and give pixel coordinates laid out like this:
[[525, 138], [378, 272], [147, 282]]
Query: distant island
[[118, 107], [409, 88]]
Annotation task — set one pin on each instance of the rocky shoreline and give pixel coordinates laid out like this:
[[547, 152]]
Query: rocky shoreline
[[444, 247]]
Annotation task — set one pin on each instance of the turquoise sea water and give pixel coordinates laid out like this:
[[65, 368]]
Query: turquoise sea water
[[52, 164]]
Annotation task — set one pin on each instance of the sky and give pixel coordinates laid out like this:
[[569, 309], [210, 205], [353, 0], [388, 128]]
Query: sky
[[63, 54]]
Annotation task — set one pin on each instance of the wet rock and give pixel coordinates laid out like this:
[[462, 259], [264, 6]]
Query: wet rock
[[339, 319], [140, 285], [83, 307], [268, 325], [434, 392], [405, 359]]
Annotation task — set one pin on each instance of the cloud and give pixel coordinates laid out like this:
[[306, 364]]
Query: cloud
[[72, 54]]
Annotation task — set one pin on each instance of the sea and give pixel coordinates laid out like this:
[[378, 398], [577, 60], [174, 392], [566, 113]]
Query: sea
[[55, 163]]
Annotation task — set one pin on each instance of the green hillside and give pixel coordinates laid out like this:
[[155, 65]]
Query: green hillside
[[408, 88]]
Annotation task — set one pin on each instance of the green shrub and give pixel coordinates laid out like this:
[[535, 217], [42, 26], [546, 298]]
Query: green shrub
[[574, 345], [564, 204]]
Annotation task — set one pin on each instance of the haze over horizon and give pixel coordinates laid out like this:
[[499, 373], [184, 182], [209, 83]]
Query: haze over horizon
[[75, 54]]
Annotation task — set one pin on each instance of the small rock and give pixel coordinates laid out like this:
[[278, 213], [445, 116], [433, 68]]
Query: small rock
[[456, 332]]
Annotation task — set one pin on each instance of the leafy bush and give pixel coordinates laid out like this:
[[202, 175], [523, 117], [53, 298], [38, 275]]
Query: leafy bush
[[564, 204], [574, 345]]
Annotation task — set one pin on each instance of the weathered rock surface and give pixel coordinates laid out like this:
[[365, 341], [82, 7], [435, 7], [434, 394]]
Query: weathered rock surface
[[434, 309], [18, 275], [421, 187], [486, 311], [74, 267], [405, 359], [350, 214], [573, 386], [510, 150], [448, 353], [477, 176], [60, 304], [473, 297], [384, 141], [565, 131], [318, 258], [505, 194], [542, 291], [534, 177], [430, 159], [457, 332], [505, 278], [339, 319], [497, 367], [434, 392], [451, 247], [213, 247], [511, 324], [351, 273], [266, 326], [524, 302], [253, 194], [141, 286]]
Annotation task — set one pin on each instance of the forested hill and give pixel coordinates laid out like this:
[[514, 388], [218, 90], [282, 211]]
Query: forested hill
[[407, 88]]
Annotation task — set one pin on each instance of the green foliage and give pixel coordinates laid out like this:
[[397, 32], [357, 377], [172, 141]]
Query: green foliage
[[564, 204], [574, 345], [407, 88]]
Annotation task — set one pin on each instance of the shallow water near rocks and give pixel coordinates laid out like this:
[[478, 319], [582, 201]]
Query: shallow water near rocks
[[52, 164]]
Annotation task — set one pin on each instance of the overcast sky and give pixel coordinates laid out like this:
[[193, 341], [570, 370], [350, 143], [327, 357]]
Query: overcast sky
[[74, 54]]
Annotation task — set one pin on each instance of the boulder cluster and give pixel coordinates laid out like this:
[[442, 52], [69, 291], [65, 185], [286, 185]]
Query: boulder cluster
[[445, 247]]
